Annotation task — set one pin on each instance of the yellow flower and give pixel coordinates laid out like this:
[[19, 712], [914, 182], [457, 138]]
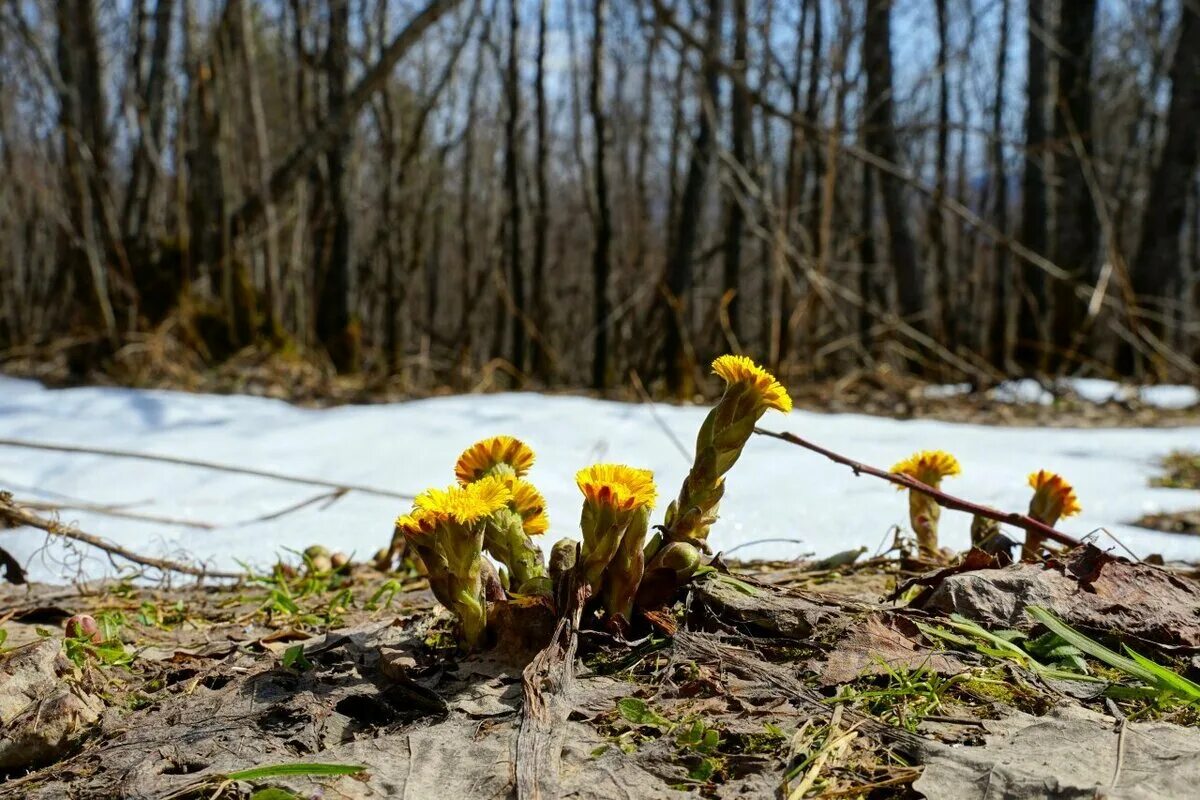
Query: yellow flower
[[465, 505], [929, 467], [418, 522], [740, 369], [485, 455], [1053, 497], [616, 485], [529, 503]]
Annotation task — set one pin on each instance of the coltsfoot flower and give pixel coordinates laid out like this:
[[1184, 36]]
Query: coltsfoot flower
[[496, 455], [508, 530], [750, 391], [507, 535], [446, 528], [1053, 499], [616, 506], [528, 502], [929, 467], [767, 391]]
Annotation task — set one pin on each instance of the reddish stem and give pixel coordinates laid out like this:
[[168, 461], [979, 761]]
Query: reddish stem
[[1024, 521]]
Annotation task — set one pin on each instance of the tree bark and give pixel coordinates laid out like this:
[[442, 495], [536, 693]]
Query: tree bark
[[1034, 308], [82, 120], [512, 189], [998, 336], [1158, 264], [881, 140], [793, 187], [151, 119], [601, 261], [937, 219], [677, 362], [741, 146], [341, 119], [1076, 225], [262, 170], [541, 222], [334, 317]]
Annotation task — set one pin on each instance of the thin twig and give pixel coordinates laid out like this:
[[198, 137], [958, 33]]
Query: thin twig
[[662, 423], [1116, 776], [12, 513], [1029, 524], [113, 511], [330, 497], [191, 462]]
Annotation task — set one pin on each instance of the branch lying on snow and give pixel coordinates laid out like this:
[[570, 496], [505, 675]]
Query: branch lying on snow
[[112, 511], [1029, 524], [14, 515], [190, 462]]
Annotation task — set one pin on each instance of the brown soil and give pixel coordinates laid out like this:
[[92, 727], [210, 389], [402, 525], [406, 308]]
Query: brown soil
[[729, 692]]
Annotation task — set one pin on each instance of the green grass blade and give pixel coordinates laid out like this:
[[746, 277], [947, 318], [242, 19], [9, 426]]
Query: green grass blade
[[284, 770], [1136, 665], [1167, 677]]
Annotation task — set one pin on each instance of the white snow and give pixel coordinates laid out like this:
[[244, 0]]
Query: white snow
[[777, 491], [1093, 390]]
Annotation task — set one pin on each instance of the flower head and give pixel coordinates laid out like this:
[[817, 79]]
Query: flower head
[[465, 505], [740, 369], [417, 523], [616, 485], [1053, 497], [529, 503], [929, 467], [483, 457]]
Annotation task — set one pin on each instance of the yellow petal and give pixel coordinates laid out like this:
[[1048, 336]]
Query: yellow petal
[[621, 487], [529, 503], [465, 504], [486, 454], [1052, 493], [929, 467], [417, 523], [740, 369]]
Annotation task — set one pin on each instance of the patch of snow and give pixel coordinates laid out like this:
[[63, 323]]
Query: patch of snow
[[946, 391], [777, 491], [1023, 391], [1170, 396], [1092, 390]]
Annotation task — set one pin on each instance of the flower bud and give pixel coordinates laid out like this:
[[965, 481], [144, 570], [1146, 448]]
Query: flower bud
[[83, 626]]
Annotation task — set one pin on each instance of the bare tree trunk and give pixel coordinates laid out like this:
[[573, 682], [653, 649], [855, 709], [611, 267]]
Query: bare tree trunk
[[866, 257], [516, 273], [339, 120], [740, 149], [937, 220], [1034, 307], [1076, 226], [466, 214], [678, 363], [781, 308], [821, 172], [541, 222], [82, 119], [208, 233], [881, 140], [601, 261], [998, 338], [262, 151], [1158, 264], [151, 118], [334, 316]]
